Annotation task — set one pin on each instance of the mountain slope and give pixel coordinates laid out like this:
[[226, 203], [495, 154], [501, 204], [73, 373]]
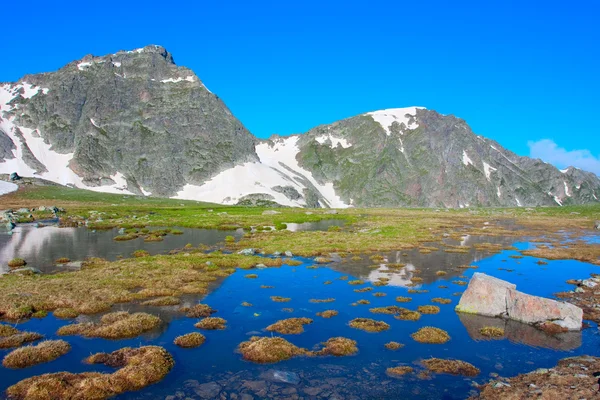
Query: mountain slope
[[129, 122], [134, 122]]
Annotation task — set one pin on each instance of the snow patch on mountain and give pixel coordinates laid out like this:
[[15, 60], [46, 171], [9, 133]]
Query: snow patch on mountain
[[7, 187], [567, 189], [334, 141], [175, 80], [465, 158], [488, 169], [385, 118]]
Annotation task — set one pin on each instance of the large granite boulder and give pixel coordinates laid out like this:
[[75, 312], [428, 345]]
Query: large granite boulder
[[494, 297]]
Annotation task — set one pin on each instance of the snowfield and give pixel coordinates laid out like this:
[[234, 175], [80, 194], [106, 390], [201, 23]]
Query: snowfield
[[7, 187]]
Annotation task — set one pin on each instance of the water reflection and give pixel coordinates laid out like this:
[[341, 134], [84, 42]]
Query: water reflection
[[518, 332]]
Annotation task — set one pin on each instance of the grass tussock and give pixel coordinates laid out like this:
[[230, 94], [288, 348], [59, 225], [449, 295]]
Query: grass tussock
[[246, 304], [338, 346], [211, 323], [268, 350], [363, 301], [408, 315], [198, 311], [190, 340], [418, 291], [19, 339], [280, 299], [452, 367], [139, 367], [441, 300], [460, 283], [356, 282], [586, 252], [363, 290], [369, 325], [116, 325], [65, 313], [431, 335], [441, 273], [492, 332], [401, 299], [162, 301], [393, 345], [7, 330], [290, 326], [327, 313], [379, 294], [16, 263], [43, 352], [386, 310], [63, 260], [401, 370], [428, 309], [329, 300], [140, 253], [251, 276]]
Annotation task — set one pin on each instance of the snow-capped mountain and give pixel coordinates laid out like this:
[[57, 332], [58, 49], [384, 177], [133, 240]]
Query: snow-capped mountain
[[133, 122]]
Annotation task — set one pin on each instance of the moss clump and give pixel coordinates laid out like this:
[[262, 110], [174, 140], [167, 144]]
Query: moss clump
[[190, 340], [322, 260], [369, 325], [126, 237], [63, 260], [162, 301], [393, 345], [356, 282], [414, 291], [140, 253], [65, 313], [116, 325], [7, 330], [363, 301], [211, 323], [492, 332], [386, 310], [267, 287], [176, 232], [327, 313], [408, 315], [338, 346], [452, 367], [267, 350], [401, 370], [431, 335], [401, 299], [460, 283], [428, 309], [16, 263], [362, 290], [441, 300], [40, 314], [19, 339], [32, 355], [290, 326], [327, 283], [279, 299], [246, 304], [153, 238], [198, 311], [441, 273], [139, 368], [380, 283], [379, 294], [329, 300], [251, 276]]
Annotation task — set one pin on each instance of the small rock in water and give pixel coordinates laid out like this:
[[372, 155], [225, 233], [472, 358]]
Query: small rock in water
[[289, 253], [589, 283], [121, 231], [281, 376], [247, 252], [277, 253]]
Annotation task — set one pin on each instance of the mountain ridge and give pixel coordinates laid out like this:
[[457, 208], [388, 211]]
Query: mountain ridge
[[134, 122]]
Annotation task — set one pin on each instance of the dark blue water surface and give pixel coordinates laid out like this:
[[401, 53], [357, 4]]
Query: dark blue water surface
[[217, 370]]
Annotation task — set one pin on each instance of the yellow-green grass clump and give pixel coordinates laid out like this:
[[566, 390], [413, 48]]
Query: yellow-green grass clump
[[126, 237], [63, 260], [43, 352], [356, 282], [140, 253], [65, 313], [290, 326], [402, 299], [431, 335], [401, 370], [408, 315], [7, 330], [139, 368], [268, 350], [116, 325], [251, 276], [246, 304], [198, 311], [327, 313], [363, 301], [280, 299], [369, 325], [267, 287], [460, 283], [492, 332], [322, 260], [386, 310], [441, 273], [379, 294], [338, 346], [16, 263], [380, 283], [452, 367], [428, 309], [327, 283], [211, 323], [162, 301], [418, 291], [18, 339], [441, 300], [393, 345], [329, 300], [153, 238], [190, 340], [362, 290]]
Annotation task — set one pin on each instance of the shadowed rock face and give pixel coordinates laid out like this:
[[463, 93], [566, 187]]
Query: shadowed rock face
[[136, 113], [520, 333], [494, 297]]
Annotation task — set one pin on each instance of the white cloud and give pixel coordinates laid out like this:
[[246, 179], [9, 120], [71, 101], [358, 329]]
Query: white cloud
[[549, 151]]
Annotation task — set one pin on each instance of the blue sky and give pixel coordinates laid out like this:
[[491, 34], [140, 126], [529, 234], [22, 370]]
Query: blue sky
[[517, 72]]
